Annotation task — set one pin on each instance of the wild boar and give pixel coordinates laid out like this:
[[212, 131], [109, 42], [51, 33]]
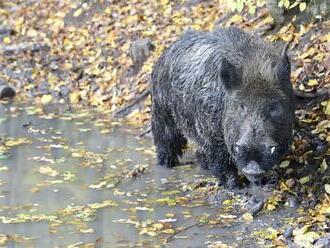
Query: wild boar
[[228, 91]]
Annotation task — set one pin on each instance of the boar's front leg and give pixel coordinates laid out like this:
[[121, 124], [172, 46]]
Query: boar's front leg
[[217, 161], [168, 140]]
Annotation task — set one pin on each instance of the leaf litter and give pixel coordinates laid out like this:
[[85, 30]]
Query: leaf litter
[[85, 65]]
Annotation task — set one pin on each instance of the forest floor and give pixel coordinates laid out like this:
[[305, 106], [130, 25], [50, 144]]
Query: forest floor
[[68, 56]]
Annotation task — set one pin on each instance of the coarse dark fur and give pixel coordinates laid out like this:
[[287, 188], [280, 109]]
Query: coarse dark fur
[[228, 91]]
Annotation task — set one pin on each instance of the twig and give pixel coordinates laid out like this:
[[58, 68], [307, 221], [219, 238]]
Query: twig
[[263, 30], [197, 225], [148, 130], [182, 230], [6, 31], [24, 4], [121, 111], [190, 162], [224, 18], [261, 15]]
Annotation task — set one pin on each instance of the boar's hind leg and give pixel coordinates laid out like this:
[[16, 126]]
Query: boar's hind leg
[[169, 142], [219, 164]]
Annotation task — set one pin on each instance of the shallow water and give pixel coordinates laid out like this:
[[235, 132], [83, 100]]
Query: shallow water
[[82, 159]]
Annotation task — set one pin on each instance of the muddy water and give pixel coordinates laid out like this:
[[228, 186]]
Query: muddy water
[[82, 159]]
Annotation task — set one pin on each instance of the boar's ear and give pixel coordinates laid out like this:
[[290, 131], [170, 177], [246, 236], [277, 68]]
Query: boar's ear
[[230, 76], [283, 67]]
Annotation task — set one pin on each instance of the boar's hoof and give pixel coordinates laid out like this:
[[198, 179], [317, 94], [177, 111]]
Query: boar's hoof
[[232, 182], [253, 172], [255, 205]]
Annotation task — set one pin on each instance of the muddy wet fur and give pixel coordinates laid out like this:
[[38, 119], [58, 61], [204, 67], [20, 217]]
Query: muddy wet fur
[[198, 87]]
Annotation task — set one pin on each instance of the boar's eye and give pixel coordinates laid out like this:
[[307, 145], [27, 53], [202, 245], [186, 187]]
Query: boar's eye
[[242, 108], [275, 110]]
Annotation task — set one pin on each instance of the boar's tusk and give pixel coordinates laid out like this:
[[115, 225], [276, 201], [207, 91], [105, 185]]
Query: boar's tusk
[[272, 150]]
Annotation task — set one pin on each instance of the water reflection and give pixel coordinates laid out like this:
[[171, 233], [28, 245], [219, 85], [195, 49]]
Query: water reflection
[[80, 148]]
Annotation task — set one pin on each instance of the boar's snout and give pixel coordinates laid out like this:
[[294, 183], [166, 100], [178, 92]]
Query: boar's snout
[[253, 171], [266, 156]]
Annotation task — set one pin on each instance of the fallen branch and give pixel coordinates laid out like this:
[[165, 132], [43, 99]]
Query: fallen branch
[[303, 98], [23, 47], [124, 110], [306, 95]]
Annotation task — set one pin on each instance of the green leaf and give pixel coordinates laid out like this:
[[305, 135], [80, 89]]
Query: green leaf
[[304, 180], [240, 6], [285, 164], [312, 82], [46, 99], [323, 166], [280, 3], [252, 10], [302, 6], [327, 188], [293, 5], [3, 157]]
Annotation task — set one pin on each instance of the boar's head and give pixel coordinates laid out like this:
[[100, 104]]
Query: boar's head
[[259, 112]]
